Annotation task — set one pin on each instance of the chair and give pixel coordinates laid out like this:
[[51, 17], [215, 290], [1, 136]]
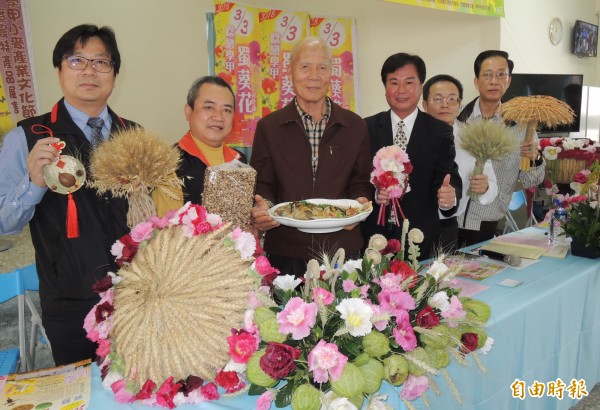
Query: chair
[[31, 283], [11, 286], [517, 201]]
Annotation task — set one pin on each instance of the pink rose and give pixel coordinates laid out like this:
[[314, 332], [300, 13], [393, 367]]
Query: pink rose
[[263, 266]]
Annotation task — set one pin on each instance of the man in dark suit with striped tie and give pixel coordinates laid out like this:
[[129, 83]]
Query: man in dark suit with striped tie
[[429, 143]]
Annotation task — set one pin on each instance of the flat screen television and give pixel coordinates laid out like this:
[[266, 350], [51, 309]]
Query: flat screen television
[[565, 87], [585, 39]]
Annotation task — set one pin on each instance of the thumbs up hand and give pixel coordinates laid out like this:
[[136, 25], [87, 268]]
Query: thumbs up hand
[[446, 195]]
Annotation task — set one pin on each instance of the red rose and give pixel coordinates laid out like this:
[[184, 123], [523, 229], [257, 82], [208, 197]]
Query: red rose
[[102, 285], [427, 318], [190, 384], [103, 311], [146, 390], [547, 183], [580, 177], [408, 168], [545, 142], [469, 342], [130, 248], [386, 180], [166, 393], [278, 360], [404, 270], [393, 246], [229, 381]]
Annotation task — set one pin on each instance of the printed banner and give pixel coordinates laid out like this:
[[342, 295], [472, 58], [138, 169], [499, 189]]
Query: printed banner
[[253, 47], [15, 65], [493, 8], [5, 122], [237, 60], [339, 34], [281, 31]]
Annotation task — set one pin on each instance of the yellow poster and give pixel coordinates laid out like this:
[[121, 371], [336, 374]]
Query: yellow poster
[[281, 31], [493, 8], [339, 35], [237, 60]]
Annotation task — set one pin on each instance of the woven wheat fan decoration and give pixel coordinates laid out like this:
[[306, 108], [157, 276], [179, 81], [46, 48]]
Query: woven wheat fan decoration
[[132, 164], [165, 317]]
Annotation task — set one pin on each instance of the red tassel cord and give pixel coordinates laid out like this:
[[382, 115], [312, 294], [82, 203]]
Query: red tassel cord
[[72, 224]]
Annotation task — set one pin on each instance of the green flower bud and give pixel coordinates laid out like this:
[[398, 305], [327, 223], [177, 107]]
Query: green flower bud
[[372, 371], [357, 400], [476, 309], [439, 340], [421, 355], [395, 369], [438, 358], [351, 383], [255, 374], [263, 313], [269, 331], [361, 359], [306, 397], [376, 344]]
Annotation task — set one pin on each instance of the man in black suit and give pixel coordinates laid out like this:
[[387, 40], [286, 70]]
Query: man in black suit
[[434, 181]]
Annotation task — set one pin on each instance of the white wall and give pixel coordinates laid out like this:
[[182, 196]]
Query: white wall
[[163, 46], [524, 34]]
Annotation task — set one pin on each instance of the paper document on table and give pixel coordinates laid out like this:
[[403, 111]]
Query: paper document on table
[[524, 251], [63, 387], [538, 239]]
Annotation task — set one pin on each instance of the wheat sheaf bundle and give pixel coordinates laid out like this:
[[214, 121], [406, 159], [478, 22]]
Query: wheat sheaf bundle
[[533, 110], [130, 165], [177, 303], [485, 140]]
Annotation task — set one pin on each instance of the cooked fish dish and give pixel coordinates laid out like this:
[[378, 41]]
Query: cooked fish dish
[[304, 210]]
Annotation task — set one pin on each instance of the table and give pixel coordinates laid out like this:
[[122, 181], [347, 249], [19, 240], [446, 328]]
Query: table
[[545, 329]]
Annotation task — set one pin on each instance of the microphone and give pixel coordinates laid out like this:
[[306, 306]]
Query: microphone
[[512, 260]]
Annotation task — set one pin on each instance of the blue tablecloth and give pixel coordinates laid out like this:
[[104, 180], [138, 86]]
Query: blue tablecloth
[[545, 329]]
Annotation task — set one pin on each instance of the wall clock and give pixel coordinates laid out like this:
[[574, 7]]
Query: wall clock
[[555, 31]]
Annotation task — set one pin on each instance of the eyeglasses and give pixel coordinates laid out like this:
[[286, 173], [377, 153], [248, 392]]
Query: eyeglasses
[[450, 101], [500, 76], [101, 65]]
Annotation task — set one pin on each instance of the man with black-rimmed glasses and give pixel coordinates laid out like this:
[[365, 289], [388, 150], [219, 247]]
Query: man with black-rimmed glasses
[[68, 261]]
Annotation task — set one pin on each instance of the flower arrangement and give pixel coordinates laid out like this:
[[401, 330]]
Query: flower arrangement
[[565, 157], [391, 169], [486, 140], [583, 212], [163, 324], [337, 333]]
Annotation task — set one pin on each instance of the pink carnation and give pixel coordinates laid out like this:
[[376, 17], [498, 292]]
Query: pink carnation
[[455, 311], [263, 266], [324, 295], [297, 318], [395, 301], [103, 347], [242, 345], [245, 243], [404, 333], [265, 400], [210, 391], [122, 395], [414, 387], [142, 231], [348, 285], [326, 361]]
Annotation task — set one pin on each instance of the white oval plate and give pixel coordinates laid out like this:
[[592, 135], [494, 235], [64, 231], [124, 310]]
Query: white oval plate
[[322, 225]]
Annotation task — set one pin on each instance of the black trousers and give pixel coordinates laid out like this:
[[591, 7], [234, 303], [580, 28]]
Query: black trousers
[[449, 236], [67, 336], [487, 230]]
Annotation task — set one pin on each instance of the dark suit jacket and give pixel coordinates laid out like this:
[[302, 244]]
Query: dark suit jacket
[[431, 152]]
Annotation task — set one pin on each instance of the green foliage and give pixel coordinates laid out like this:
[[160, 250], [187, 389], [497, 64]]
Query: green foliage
[[583, 224]]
